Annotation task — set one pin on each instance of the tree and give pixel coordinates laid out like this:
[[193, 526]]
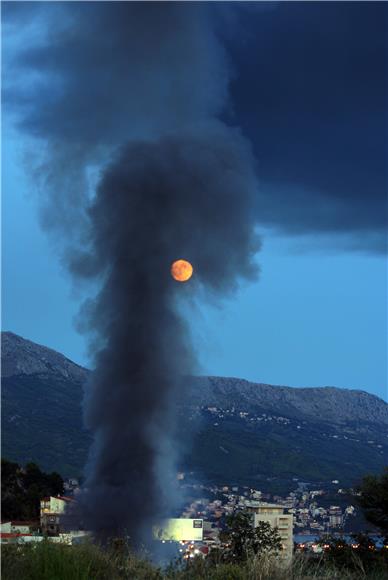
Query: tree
[[241, 540], [358, 554], [11, 491], [22, 489], [374, 500]]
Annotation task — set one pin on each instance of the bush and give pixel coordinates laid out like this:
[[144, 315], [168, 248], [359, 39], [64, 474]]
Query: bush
[[48, 561], [241, 541], [373, 500], [360, 558], [23, 488]]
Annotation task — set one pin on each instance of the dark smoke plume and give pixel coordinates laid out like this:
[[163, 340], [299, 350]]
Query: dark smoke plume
[[143, 85], [183, 196]]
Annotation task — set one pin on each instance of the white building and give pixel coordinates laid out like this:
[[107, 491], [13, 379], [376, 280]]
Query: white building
[[17, 532], [275, 516], [52, 510]]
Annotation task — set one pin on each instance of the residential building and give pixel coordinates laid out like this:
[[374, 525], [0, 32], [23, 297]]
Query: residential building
[[52, 510], [275, 516], [13, 531], [335, 517]]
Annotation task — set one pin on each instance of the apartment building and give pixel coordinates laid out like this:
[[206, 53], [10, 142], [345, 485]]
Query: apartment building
[[275, 516]]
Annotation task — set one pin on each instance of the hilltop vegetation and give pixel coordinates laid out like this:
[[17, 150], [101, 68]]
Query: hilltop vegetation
[[23, 488]]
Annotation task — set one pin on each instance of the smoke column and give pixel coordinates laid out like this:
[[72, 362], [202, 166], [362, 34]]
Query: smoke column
[[137, 91]]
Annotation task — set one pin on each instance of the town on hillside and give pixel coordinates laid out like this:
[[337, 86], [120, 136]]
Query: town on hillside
[[302, 519]]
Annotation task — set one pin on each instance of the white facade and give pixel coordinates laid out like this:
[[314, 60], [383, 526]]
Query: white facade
[[20, 528], [275, 516], [51, 511], [53, 505]]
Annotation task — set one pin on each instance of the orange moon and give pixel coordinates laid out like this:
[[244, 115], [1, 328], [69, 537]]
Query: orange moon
[[181, 270]]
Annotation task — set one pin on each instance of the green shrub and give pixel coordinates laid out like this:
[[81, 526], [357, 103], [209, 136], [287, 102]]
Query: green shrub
[[241, 541], [48, 561]]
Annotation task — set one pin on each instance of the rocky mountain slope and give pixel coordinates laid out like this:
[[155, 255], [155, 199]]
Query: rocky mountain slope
[[241, 432], [21, 357], [325, 403]]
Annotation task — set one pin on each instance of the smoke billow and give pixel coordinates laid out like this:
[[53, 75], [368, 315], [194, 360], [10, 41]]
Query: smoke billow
[[142, 85], [182, 196]]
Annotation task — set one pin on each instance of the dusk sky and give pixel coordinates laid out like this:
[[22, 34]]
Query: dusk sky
[[307, 87]]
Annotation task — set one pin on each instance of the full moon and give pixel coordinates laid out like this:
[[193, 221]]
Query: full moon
[[181, 270]]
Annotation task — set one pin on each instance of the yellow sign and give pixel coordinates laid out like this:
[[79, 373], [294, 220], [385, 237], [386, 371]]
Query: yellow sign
[[179, 530]]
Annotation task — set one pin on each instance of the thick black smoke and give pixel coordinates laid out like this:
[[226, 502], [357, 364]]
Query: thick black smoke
[[141, 85], [87, 77], [183, 196]]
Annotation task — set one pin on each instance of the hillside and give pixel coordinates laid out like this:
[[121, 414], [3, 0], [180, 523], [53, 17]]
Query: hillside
[[242, 432], [337, 406]]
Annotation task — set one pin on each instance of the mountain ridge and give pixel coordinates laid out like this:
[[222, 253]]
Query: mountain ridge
[[377, 408], [241, 431], [35, 359], [32, 358]]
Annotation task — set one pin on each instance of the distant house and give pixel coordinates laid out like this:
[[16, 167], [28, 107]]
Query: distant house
[[5, 528], [18, 527], [52, 510], [12, 531]]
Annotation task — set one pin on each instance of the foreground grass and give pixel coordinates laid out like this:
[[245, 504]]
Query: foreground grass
[[47, 561]]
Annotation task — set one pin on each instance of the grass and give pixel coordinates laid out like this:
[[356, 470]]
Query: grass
[[48, 561]]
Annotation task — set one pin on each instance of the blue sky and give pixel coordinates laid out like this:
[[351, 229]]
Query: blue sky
[[316, 317], [318, 314]]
